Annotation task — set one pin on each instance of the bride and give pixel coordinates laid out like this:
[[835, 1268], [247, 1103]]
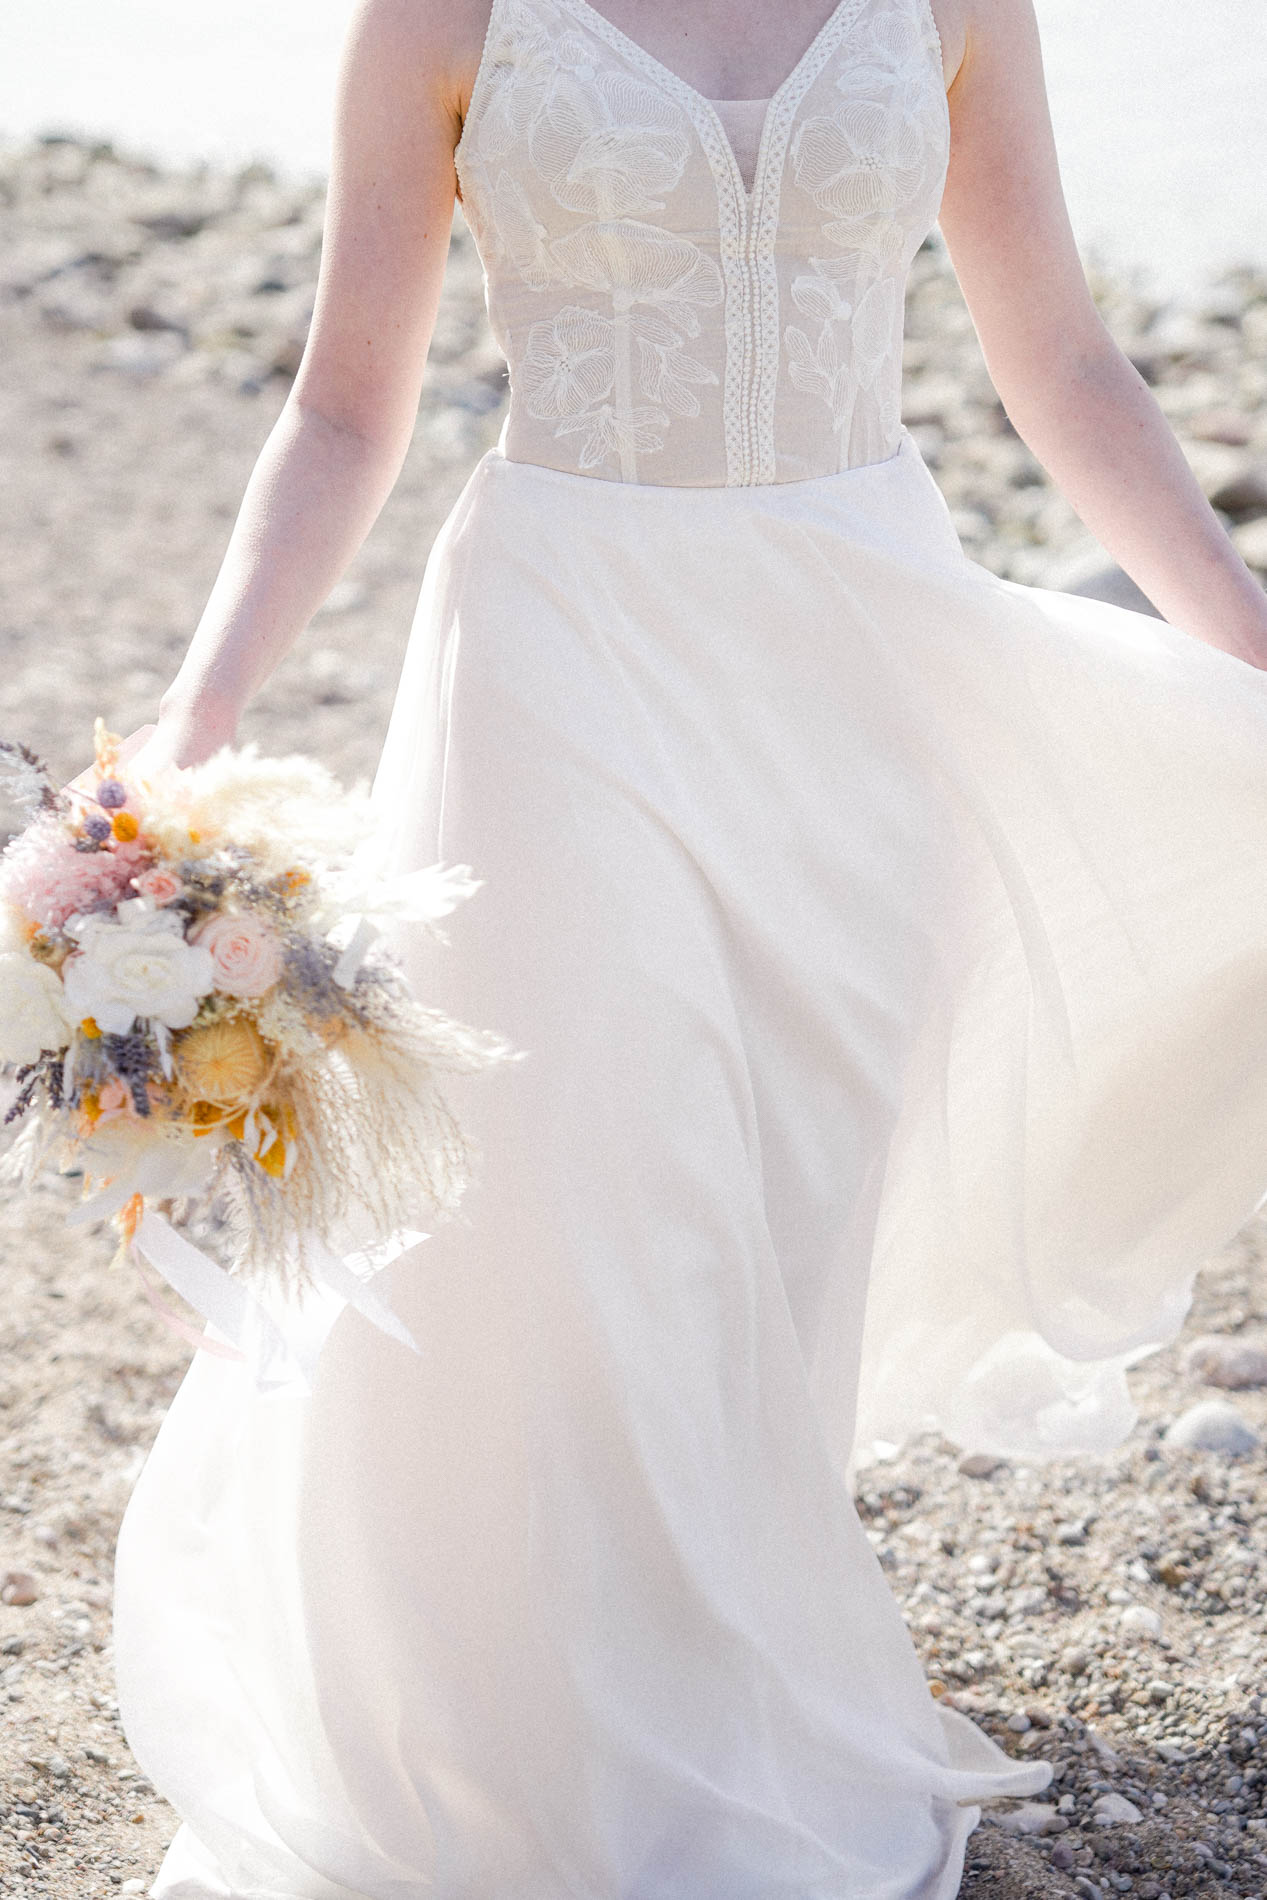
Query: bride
[[888, 943]]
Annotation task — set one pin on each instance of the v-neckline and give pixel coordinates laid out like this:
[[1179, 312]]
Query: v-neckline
[[617, 37], [635, 46]]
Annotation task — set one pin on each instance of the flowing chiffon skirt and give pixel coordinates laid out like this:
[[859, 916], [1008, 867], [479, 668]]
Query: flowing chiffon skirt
[[888, 944]]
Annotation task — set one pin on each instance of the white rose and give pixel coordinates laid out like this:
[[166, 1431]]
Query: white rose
[[136, 965], [33, 1012]]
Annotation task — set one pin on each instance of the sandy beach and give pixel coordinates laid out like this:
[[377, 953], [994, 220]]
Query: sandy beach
[[1107, 1615]]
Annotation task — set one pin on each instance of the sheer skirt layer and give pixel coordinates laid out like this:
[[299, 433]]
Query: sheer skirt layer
[[886, 944]]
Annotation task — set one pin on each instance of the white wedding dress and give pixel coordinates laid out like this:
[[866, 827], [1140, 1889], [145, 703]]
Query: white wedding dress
[[888, 944]]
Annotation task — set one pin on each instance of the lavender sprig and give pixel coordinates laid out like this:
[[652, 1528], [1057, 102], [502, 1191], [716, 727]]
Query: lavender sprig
[[135, 1061], [46, 1073]]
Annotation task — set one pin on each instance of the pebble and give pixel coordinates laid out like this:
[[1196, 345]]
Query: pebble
[[979, 1464], [19, 1587], [1251, 543], [1113, 1809], [1228, 1361], [1212, 1425], [1035, 1817], [1139, 1620]]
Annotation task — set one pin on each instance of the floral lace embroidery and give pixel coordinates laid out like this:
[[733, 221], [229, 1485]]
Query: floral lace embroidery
[[579, 181], [865, 164], [608, 145]]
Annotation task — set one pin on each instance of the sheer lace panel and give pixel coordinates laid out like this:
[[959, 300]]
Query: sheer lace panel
[[743, 121], [665, 318]]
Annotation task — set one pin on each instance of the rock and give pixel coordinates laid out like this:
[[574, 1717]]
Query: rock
[[1244, 493], [1158, 1691], [1139, 1620], [1230, 426], [1227, 1360], [1218, 468], [142, 353], [1104, 1749], [1075, 1662], [978, 1464], [19, 1588], [177, 223], [1212, 1425], [1019, 1723], [1035, 1817], [1251, 543], [1112, 1810]]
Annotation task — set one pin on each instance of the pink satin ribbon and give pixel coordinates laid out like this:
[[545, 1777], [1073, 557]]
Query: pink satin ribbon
[[174, 1321]]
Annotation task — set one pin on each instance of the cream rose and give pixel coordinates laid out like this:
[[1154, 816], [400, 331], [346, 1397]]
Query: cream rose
[[139, 965], [33, 1009], [246, 957]]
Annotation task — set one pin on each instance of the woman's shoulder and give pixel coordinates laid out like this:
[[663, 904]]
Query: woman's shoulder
[[439, 41]]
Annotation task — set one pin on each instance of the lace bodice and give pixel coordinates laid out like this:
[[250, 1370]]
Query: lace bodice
[[662, 323]]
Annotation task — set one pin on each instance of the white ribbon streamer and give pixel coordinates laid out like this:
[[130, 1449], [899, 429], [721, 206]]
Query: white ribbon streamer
[[280, 1337]]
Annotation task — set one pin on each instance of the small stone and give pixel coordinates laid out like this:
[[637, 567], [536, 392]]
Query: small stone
[[1221, 425], [1062, 1856], [1243, 493], [1212, 1425], [1035, 1817], [1105, 1750], [1111, 1810], [1139, 1620], [1019, 1723], [978, 1464], [132, 1886], [1158, 1691], [1075, 1662], [1231, 1362], [1251, 542], [19, 1588]]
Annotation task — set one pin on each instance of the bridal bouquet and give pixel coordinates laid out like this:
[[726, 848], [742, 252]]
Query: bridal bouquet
[[198, 1017]]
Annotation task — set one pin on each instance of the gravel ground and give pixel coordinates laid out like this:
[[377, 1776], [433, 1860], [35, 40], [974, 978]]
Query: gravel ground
[[1104, 1614]]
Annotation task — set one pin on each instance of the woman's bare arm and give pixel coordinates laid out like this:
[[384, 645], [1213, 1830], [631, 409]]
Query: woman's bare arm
[[1071, 393], [337, 447]]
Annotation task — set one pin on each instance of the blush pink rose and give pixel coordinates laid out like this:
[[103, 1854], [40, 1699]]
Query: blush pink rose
[[159, 884], [246, 957]]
